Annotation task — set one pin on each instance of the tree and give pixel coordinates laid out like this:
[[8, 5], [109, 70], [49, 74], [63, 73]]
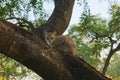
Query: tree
[[100, 34], [31, 50], [113, 32]]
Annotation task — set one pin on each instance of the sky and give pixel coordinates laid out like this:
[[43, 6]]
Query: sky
[[99, 7], [96, 6]]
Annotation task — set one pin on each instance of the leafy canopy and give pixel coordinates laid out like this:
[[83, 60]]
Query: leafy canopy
[[92, 36], [26, 14]]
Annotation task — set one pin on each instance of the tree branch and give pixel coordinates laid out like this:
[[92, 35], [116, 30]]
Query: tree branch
[[32, 52], [61, 15], [111, 52], [29, 50], [59, 19]]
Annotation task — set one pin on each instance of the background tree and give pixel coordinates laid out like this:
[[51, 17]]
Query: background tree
[[93, 35]]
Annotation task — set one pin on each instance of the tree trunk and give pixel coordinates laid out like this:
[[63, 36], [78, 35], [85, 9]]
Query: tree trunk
[[107, 63], [111, 53], [30, 50]]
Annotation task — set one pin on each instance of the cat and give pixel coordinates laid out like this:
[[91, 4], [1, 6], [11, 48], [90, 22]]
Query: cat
[[61, 43]]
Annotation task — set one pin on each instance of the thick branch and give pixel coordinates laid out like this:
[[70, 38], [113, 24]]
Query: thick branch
[[32, 52], [29, 50], [61, 15], [81, 70], [59, 19]]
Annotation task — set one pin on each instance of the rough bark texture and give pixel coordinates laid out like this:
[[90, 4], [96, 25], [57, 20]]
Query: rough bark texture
[[59, 19], [31, 51]]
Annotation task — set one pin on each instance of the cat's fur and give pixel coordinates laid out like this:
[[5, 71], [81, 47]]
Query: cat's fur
[[61, 43]]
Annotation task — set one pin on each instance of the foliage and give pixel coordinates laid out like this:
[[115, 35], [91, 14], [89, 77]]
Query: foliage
[[92, 36], [21, 8], [24, 13], [11, 69], [114, 23]]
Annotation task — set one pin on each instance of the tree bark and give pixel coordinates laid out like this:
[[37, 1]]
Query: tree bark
[[59, 19], [30, 50]]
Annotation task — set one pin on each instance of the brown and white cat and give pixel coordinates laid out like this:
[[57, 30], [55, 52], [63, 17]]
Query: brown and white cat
[[61, 43]]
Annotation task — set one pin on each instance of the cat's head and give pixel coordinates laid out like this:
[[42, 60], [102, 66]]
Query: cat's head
[[50, 36]]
